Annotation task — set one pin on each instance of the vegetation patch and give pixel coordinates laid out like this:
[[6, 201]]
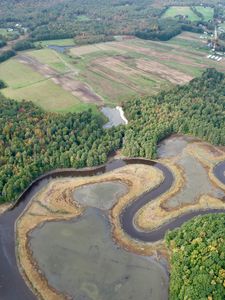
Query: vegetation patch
[[197, 259], [62, 42], [33, 142], [176, 11], [196, 109]]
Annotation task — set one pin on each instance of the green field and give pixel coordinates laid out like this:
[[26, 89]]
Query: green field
[[3, 32], [115, 71], [174, 11], [51, 58], [18, 75], [207, 12], [24, 83], [49, 96], [63, 42], [111, 69]]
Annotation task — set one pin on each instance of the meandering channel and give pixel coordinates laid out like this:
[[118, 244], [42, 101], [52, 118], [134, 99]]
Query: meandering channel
[[12, 284]]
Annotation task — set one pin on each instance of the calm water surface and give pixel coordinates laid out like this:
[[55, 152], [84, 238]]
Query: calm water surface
[[79, 258]]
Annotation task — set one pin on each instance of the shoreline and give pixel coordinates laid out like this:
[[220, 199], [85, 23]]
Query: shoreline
[[108, 170], [122, 115]]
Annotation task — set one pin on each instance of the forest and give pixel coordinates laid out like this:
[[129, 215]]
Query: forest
[[197, 257], [196, 109], [54, 19], [33, 142]]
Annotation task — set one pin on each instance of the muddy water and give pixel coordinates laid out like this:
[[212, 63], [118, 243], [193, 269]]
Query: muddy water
[[173, 146], [113, 116], [100, 195], [79, 258], [60, 49], [197, 182]]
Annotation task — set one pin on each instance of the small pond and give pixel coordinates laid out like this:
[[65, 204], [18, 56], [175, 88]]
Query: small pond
[[60, 49], [114, 116]]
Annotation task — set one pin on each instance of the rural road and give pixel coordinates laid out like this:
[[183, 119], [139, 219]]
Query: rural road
[[12, 285]]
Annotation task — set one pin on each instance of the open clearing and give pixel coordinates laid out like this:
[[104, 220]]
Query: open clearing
[[104, 73], [174, 11], [63, 42], [207, 12]]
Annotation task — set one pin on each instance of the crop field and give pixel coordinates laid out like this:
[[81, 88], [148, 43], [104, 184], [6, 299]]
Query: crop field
[[106, 73], [174, 11], [25, 83]]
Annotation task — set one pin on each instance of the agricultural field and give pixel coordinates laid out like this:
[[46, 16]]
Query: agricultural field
[[25, 83], [105, 73], [175, 11], [63, 42]]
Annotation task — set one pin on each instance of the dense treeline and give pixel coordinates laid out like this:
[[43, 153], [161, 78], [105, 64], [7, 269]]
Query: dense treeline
[[32, 142], [68, 18], [162, 30], [198, 259], [2, 43], [54, 19], [2, 84], [197, 108], [23, 45], [6, 55], [165, 29]]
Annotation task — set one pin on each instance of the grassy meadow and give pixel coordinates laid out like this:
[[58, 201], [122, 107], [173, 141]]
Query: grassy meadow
[[24, 83], [174, 11]]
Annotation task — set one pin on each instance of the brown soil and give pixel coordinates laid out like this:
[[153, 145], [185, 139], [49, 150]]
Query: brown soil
[[161, 55], [116, 75], [4, 207], [163, 71]]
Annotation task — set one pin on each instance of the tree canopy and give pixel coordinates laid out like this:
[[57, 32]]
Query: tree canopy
[[198, 259], [196, 109], [33, 141]]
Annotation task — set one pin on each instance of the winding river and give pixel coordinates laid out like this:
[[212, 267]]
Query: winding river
[[12, 285]]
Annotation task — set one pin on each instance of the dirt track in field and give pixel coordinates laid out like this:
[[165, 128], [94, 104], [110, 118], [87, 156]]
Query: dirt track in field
[[141, 67], [77, 88], [161, 55], [163, 71]]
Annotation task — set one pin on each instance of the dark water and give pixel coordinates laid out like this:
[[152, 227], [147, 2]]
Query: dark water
[[60, 49]]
